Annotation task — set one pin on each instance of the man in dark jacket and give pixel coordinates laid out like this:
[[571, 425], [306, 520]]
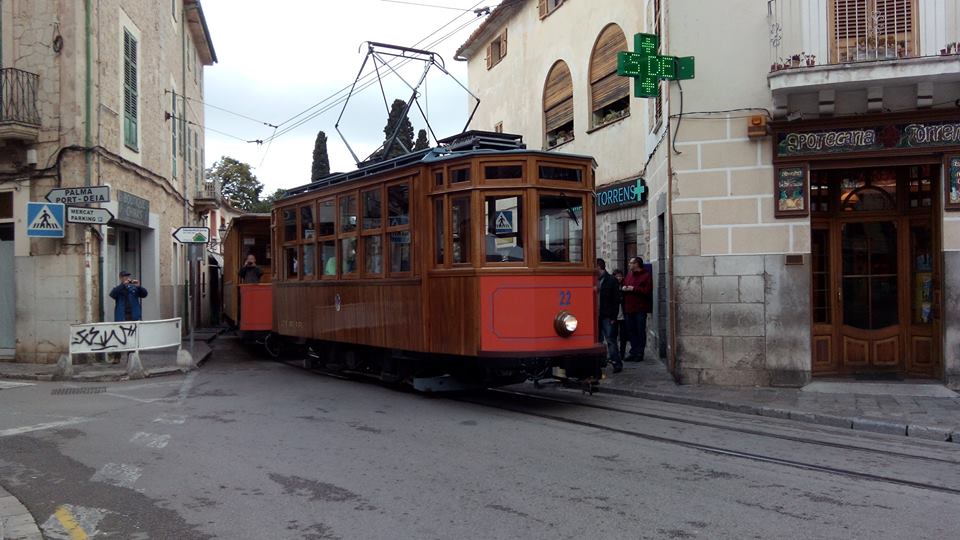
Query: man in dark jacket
[[127, 296], [636, 304], [609, 307]]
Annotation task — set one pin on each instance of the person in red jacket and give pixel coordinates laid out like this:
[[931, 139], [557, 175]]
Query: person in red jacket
[[637, 287]]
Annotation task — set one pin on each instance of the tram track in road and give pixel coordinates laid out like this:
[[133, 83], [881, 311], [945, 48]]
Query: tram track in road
[[580, 405], [717, 449]]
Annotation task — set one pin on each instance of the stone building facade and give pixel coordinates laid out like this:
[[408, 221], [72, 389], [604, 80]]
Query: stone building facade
[[801, 186], [98, 94]]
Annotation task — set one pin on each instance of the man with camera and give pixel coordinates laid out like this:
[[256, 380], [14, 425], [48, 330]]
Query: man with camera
[[127, 296], [250, 272]]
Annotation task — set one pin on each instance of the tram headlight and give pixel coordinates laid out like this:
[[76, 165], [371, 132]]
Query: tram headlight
[[565, 324]]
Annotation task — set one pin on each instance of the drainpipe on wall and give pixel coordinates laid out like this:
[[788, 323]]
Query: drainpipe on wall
[[88, 163], [671, 290]]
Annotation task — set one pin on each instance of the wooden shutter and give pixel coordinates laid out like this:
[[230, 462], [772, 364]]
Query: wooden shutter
[[542, 8], [558, 97], [489, 58], [850, 19], [559, 115], [605, 85], [503, 43], [129, 89]]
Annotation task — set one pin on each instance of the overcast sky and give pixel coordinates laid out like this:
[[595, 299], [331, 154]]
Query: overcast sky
[[279, 58]]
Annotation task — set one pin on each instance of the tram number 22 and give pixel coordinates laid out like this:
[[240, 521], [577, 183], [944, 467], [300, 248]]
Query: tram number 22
[[565, 298]]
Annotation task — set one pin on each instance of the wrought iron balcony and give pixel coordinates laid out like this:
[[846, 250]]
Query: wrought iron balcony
[[810, 33], [19, 115], [208, 194], [865, 40]]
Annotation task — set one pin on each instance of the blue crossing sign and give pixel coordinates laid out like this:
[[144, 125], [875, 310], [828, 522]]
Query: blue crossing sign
[[45, 219]]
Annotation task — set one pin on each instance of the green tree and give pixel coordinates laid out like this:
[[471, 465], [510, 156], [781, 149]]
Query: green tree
[[321, 162], [237, 181], [422, 142], [263, 206], [404, 142]]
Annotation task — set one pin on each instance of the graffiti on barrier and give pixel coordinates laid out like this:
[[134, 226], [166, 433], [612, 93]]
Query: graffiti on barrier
[[104, 338]]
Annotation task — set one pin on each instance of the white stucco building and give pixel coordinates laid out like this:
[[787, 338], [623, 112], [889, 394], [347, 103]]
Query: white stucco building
[[800, 188], [104, 93]]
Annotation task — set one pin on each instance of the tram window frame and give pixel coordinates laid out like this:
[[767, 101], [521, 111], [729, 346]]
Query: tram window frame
[[463, 231], [495, 164], [349, 235], [367, 233], [461, 168], [567, 242], [399, 229], [438, 205], [439, 178], [520, 234], [306, 241], [325, 239], [581, 170], [289, 244]]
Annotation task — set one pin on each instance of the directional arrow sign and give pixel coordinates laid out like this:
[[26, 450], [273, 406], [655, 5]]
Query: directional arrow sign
[[80, 195], [192, 235], [93, 216]]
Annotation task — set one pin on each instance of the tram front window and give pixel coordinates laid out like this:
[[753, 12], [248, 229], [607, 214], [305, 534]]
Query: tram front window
[[504, 229], [561, 229]]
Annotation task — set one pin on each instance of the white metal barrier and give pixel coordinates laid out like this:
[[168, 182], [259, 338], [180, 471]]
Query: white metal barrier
[[130, 337]]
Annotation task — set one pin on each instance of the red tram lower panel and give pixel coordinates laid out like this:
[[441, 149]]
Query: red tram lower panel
[[256, 307]]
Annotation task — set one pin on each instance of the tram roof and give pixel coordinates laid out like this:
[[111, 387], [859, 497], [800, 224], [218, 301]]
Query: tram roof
[[468, 143]]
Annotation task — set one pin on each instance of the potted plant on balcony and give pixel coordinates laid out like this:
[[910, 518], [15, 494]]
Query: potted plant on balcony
[[811, 60], [795, 60]]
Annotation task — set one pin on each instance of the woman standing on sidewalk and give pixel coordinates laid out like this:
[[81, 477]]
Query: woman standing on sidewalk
[[636, 305]]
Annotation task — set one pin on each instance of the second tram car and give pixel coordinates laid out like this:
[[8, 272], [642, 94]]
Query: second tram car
[[471, 262]]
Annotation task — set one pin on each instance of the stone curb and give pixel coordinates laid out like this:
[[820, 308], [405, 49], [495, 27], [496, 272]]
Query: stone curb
[[16, 522], [104, 376], [858, 423]]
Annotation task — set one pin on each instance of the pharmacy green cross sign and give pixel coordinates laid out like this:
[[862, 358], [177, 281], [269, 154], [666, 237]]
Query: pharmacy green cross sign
[[648, 68]]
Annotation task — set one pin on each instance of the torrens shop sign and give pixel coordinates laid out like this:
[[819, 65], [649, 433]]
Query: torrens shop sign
[[621, 195], [875, 138]]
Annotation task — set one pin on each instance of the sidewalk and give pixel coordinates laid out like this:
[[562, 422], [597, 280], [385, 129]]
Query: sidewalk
[[155, 363], [16, 523], [928, 411]]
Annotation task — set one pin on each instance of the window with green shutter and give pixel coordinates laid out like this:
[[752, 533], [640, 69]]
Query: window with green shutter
[[130, 91]]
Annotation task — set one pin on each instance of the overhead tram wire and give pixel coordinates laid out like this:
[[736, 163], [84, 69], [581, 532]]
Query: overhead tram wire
[[347, 87], [360, 88], [228, 111], [425, 5]]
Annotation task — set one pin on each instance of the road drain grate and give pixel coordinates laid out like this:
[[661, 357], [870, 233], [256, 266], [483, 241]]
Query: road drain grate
[[81, 390]]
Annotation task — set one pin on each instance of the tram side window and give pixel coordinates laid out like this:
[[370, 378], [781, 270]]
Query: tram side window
[[398, 202], [308, 233], [373, 254], [460, 231], [326, 219], [504, 229], [348, 253], [309, 259], [561, 228], [372, 209], [289, 225], [348, 213], [307, 227], [291, 262], [328, 256], [439, 238], [400, 251]]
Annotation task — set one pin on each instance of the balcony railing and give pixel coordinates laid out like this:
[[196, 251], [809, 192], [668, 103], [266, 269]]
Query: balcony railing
[[208, 191], [18, 97], [809, 33]]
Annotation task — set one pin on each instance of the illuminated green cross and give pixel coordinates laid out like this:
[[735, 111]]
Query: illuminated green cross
[[647, 68]]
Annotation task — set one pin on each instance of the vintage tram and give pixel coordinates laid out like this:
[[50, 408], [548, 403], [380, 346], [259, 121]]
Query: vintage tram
[[248, 234], [470, 262]]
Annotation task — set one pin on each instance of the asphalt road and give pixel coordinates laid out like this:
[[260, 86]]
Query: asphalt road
[[250, 449]]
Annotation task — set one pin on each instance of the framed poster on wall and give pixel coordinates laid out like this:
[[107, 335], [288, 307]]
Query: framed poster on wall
[[951, 183], [790, 191]]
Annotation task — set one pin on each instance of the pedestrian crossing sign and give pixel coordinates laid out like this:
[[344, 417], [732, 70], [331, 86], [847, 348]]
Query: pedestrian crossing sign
[[45, 219], [504, 222]]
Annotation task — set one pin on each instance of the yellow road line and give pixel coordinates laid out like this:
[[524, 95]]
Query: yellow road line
[[70, 524]]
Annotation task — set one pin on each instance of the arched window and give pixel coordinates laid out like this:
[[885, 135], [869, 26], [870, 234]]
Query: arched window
[[558, 105], [609, 93]]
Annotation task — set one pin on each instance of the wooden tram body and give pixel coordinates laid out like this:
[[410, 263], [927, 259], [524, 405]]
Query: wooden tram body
[[248, 234], [472, 260]]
